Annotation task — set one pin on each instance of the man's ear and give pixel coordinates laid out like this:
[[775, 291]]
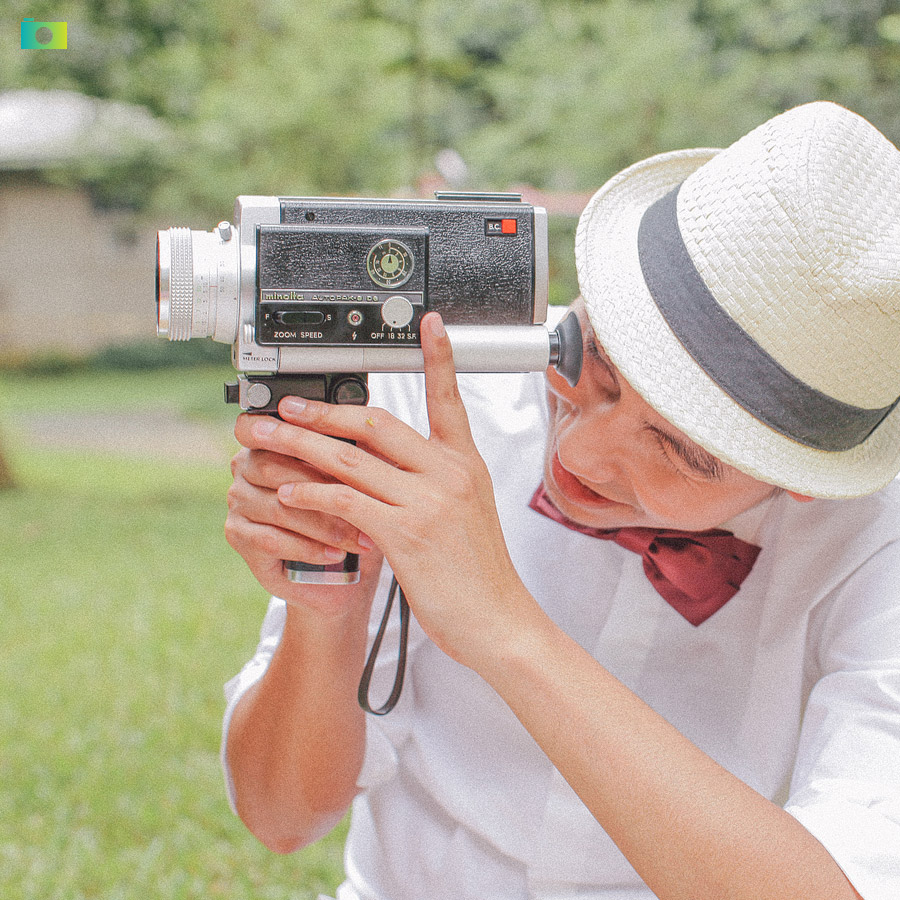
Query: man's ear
[[800, 498]]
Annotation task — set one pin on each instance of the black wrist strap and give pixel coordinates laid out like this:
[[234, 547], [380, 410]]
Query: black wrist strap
[[364, 682]]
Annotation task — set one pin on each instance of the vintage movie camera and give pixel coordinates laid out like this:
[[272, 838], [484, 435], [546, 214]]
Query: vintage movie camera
[[315, 293]]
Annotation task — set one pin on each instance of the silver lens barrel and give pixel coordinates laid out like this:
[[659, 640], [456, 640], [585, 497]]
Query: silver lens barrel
[[197, 284], [476, 348], [174, 284]]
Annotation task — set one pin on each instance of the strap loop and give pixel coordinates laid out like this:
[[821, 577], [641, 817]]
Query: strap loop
[[365, 681]]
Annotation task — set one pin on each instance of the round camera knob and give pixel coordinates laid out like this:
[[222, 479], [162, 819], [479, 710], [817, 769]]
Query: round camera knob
[[350, 390], [258, 395], [397, 312]]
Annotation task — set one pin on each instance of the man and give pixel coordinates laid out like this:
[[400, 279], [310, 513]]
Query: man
[[585, 716]]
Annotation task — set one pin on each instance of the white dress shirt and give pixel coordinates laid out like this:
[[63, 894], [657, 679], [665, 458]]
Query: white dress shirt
[[793, 686]]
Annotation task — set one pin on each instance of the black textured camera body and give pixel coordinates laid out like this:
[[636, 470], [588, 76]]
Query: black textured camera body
[[470, 270], [363, 273]]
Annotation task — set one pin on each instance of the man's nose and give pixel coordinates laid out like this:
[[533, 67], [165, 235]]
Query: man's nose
[[593, 442]]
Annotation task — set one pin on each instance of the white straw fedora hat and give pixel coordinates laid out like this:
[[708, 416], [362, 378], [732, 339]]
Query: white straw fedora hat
[[752, 296]]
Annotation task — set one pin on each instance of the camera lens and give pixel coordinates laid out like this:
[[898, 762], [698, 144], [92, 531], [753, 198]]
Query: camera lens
[[175, 284], [197, 284]]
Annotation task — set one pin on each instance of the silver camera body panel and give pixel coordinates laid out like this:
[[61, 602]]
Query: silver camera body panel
[[210, 284]]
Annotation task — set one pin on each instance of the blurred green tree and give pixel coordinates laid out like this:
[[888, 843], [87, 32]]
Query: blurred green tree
[[590, 87], [789, 51], [6, 475], [359, 96]]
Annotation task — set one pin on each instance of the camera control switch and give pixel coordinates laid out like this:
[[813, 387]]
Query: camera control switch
[[258, 395], [351, 390], [293, 317], [397, 312]]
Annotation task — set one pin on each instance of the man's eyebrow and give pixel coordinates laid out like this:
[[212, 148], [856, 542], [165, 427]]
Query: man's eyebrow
[[696, 458]]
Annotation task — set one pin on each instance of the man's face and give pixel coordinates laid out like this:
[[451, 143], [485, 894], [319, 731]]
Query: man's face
[[612, 460]]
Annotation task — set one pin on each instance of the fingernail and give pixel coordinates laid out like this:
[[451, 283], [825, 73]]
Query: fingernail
[[365, 542], [293, 406], [436, 324], [264, 426], [285, 492], [333, 554]]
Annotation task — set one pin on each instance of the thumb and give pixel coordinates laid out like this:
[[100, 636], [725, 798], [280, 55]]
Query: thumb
[[447, 416]]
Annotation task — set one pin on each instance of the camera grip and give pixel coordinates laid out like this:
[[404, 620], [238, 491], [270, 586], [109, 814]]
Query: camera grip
[[345, 572], [340, 389], [262, 394]]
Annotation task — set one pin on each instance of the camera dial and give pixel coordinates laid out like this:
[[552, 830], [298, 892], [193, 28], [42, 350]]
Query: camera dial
[[397, 312], [197, 283], [390, 263]]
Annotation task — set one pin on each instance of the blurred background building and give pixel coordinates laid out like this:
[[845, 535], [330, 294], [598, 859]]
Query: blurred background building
[[73, 276]]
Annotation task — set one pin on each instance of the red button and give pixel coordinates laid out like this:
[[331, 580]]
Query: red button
[[508, 226]]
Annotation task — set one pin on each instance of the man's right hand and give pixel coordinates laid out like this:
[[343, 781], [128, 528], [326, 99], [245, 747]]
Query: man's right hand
[[264, 531]]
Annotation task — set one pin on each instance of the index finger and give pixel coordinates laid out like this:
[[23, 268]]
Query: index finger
[[447, 417], [243, 430]]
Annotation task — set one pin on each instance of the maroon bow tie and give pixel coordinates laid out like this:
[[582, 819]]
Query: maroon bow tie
[[696, 572]]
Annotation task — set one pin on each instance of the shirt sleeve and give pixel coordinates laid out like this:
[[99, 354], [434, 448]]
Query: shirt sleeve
[[380, 760], [846, 783], [269, 638]]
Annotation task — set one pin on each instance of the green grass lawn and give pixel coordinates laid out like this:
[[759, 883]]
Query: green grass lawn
[[123, 613]]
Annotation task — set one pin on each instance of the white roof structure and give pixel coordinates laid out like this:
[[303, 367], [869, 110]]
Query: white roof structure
[[40, 129]]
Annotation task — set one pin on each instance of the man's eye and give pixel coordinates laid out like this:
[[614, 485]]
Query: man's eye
[[602, 360], [685, 458], [594, 352]]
